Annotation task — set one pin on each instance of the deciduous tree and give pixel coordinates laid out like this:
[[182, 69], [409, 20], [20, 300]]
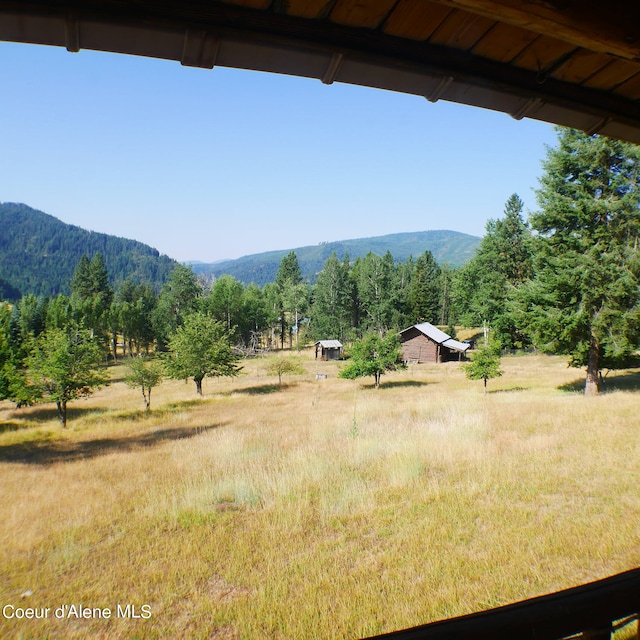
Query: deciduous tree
[[332, 309], [64, 365], [285, 366], [200, 348], [484, 365], [143, 374], [374, 280], [373, 355]]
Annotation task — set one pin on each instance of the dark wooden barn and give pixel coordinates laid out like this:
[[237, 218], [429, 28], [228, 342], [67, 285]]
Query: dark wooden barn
[[426, 343]]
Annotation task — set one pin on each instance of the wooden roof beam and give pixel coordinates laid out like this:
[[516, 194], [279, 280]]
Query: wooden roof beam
[[608, 27]]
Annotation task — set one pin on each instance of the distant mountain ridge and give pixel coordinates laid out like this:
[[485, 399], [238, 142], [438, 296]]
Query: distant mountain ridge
[[39, 253], [450, 247]]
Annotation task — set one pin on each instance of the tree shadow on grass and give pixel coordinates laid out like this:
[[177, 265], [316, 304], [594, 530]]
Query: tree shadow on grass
[[180, 405], [46, 412], [402, 383], [572, 387], [49, 451], [395, 383], [11, 426], [261, 389], [629, 381], [509, 390]]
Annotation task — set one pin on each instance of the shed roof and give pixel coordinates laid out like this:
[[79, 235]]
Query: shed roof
[[438, 336], [330, 344], [455, 345]]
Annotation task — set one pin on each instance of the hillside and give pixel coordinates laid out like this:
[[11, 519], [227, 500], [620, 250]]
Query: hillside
[[39, 253], [449, 247]]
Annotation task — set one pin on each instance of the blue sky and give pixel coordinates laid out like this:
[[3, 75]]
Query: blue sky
[[213, 164]]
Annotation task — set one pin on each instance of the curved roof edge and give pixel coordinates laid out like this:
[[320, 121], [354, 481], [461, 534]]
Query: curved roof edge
[[208, 34]]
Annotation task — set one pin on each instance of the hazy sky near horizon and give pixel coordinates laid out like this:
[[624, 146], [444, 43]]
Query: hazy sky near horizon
[[214, 164]]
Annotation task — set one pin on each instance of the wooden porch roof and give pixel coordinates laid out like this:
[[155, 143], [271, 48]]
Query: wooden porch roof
[[570, 62]]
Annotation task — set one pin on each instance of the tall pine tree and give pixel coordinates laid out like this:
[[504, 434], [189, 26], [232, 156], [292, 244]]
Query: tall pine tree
[[292, 294], [425, 292], [584, 300], [483, 288]]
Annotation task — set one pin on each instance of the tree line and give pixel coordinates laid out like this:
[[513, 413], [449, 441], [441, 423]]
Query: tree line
[[565, 281]]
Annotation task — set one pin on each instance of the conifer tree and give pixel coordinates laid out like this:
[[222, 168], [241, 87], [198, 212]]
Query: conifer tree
[[292, 294], [584, 300], [485, 364], [179, 297], [424, 296], [483, 288], [91, 295]]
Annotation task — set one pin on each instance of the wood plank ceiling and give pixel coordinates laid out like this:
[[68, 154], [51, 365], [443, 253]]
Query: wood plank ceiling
[[570, 62]]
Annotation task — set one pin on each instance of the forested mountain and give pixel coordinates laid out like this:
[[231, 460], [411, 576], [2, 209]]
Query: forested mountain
[[38, 254], [449, 247]]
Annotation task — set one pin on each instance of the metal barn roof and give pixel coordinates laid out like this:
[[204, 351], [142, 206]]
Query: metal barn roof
[[455, 345], [330, 344], [568, 62], [438, 336], [430, 331]]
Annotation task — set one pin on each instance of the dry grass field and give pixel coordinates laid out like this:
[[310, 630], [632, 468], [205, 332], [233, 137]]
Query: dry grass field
[[321, 509]]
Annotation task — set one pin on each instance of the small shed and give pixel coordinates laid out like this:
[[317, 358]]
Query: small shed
[[426, 343], [329, 349]]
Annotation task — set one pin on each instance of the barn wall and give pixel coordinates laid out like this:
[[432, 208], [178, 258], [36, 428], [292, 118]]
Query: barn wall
[[416, 346]]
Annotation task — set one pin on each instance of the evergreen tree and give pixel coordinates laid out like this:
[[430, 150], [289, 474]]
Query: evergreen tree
[[332, 309], [81, 285], [91, 295], [179, 297], [483, 288], [447, 277], [512, 243], [584, 299], [6, 350], [485, 364], [403, 277], [292, 294], [425, 292], [31, 316]]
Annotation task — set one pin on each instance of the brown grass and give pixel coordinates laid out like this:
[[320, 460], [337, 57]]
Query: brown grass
[[325, 509]]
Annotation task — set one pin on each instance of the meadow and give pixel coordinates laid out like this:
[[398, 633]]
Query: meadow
[[319, 509]]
